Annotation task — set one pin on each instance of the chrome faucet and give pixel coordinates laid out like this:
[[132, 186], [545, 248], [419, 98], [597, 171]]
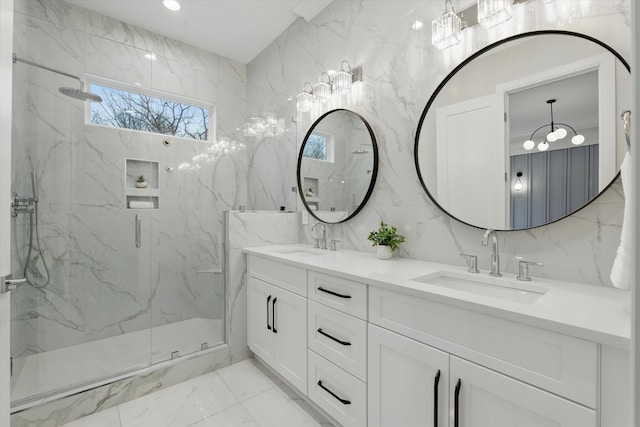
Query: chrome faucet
[[320, 242], [495, 259]]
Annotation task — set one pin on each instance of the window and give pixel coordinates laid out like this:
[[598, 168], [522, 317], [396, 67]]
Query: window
[[319, 146], [130, 110]]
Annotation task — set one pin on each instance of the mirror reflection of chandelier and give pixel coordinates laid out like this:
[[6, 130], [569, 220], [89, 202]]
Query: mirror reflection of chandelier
[[558, 131]]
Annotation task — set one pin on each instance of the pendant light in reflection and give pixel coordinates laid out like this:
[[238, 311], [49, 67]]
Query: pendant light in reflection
[[518, 185], [557, 131]]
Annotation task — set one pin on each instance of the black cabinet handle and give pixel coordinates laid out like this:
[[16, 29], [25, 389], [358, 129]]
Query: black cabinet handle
[[343, 401], [268, 301], [436, 381], [273, 316], [335, 294], [456, 407], [321, 332]]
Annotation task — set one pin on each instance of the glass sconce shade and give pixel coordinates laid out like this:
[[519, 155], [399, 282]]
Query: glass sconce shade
[[561, 133], [528, 145], [322, 89], [493, 12], [343, 79], [445, 31], [543, 146], [304, 100]]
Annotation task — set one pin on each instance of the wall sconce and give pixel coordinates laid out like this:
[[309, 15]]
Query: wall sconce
[[340, 83], [445, 30], [517, 184], [343, 79], [493, 12], [322, 89], [304, 100]]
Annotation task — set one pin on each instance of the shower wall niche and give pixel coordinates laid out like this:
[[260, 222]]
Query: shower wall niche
[[143, 194]]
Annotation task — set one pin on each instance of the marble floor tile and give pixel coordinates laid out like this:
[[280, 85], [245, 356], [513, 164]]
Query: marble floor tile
[[281, 407], [179, 405], [248, 378], [236, 416], [107, 418], [245, 394]]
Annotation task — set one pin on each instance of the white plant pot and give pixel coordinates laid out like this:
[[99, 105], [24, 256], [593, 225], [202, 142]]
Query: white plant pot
[[383, 252], [142, 184]]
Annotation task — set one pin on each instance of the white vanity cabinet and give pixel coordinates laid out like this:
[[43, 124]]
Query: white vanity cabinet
[[408, 382], [482, 397], [385, 355], [277, 324]]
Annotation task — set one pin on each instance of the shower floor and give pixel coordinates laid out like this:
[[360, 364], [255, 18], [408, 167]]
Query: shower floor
[[51, 372]]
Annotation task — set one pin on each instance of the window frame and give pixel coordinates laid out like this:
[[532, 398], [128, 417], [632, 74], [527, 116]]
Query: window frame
[[140, 89], [330, 147]]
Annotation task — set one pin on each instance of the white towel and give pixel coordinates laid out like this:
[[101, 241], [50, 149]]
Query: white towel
[[140, 204], [622, 265]]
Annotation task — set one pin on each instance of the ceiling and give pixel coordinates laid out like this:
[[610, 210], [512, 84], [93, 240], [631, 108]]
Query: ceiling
[[235, 29]]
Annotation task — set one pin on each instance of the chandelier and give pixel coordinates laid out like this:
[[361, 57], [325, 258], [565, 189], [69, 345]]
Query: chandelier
[[557, 132]]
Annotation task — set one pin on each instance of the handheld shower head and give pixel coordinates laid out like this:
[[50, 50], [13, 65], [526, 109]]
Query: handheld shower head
[[34, 186]]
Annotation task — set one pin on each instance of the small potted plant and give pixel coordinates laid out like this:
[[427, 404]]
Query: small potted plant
[[386, 239], [141, 183]]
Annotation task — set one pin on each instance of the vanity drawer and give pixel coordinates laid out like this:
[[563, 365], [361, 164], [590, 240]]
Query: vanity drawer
[[558, 363], [342, 294], [277, 273], [340, 338], [344, 397]]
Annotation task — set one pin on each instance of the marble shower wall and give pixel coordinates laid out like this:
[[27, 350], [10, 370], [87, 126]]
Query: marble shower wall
[[401, 70], [101, 284]]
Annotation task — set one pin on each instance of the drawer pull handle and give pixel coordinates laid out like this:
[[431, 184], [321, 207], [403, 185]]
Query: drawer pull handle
[[321, 332], [343, 401], [436, 381], [268, 301], [273, 316], [456, 410], [321, 289]]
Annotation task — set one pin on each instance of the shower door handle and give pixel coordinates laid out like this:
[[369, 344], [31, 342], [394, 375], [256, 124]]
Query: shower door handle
[[138, 223], [9, 284]]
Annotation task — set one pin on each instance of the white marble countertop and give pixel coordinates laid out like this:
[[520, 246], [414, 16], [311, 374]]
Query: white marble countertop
[[594, 313]]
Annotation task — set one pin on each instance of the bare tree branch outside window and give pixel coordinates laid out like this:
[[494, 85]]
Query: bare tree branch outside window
[[315, 147], [131, 110]]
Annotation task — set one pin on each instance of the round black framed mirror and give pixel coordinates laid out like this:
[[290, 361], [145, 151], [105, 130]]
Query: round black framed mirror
[[526, 131], [337, 166]]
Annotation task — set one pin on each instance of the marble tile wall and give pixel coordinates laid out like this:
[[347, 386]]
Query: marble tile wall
[[246, 229], [401, 69], [101, 284]]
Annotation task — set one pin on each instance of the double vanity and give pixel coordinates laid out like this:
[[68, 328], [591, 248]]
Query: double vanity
[[414, 343]]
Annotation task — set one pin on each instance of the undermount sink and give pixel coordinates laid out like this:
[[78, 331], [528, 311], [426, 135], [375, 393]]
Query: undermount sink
[[485, 285], [301, 251]]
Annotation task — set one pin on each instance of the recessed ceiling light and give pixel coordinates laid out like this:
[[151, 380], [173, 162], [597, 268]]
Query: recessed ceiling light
[[171, 5], [417, 25]]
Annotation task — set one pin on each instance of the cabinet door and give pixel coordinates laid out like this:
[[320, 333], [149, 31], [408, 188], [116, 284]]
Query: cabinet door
[[486, 398], [290, 329], [260, 334], [408, 381]]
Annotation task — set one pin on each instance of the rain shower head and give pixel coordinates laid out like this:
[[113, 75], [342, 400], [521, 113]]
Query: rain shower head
[[80, 93]]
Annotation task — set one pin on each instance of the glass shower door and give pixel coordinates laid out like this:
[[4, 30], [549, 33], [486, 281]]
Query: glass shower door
[[84, 315]]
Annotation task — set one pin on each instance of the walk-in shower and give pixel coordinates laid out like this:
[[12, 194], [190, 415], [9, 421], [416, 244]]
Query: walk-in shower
[[112, 287]]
